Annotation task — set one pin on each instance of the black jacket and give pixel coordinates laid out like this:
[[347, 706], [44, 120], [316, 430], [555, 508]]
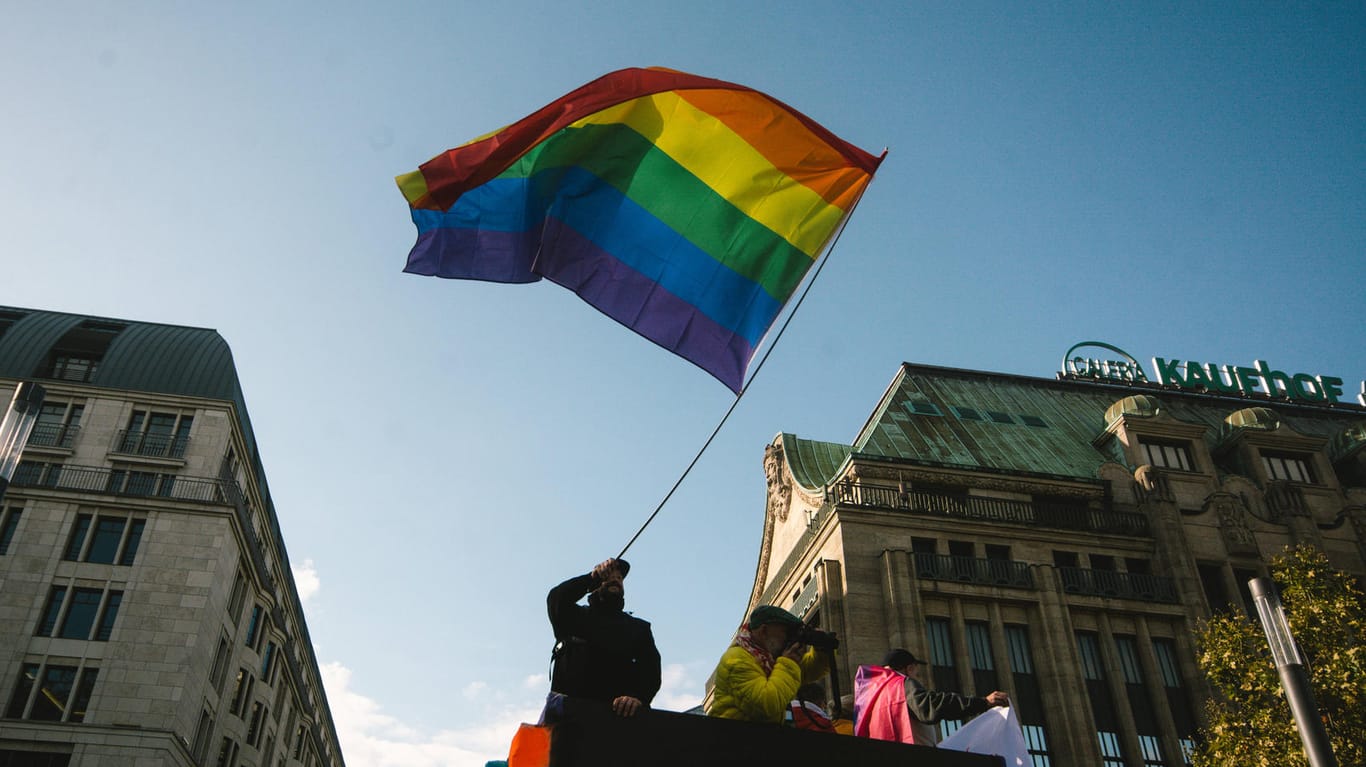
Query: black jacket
[[603, 653]]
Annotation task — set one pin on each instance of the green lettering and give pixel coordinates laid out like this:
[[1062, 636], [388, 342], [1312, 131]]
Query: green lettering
[[1216, 376], [1167, 374], [1332, 388], [1277, 383], [1195, 375], [1305, 386], [1247, 380]]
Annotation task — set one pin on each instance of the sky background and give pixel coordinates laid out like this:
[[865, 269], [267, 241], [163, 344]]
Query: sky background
[[1177, 179]]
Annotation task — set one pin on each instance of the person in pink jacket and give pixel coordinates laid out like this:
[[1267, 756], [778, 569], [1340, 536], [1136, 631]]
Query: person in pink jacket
[[892, 703]]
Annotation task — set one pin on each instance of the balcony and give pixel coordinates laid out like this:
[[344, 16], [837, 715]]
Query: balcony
[[150, 444], [53, 435], [1109, 583], [1037, 513], [985, 572], [121, 482]]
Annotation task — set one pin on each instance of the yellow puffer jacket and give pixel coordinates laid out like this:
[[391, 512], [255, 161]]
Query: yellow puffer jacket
[[743, 692]]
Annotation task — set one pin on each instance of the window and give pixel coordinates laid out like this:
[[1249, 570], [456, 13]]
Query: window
[[1145, 722], [254, 728], [105, 538], [1293, 467], [241, 692], [57, 425], [9, 522], [37, 474], [1028, 695], [201, 736], [923, 408], [254, 625], [140, 483], [1102, 707], [68, 366], [219, 672], [269, 750], [997, 416], [159, 435], [979, 652], [1177, 699], [943, 674], [227, 753], [299, 741], [52, 693], [1033, 420], [80, 613], [268, 664], [239, 594], [1168, 455], [966, 413]]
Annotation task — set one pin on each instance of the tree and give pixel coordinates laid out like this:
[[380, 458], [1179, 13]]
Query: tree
[[1249, 719]]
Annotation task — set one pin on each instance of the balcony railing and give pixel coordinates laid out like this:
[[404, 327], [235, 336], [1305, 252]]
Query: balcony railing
[[145, 484], [1037, 513], [150, 444], [987, 572], [53, 435], [1109, 583]]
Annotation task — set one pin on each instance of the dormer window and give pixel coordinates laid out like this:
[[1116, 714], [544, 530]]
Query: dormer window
[[1165, 454], [1293, 467]]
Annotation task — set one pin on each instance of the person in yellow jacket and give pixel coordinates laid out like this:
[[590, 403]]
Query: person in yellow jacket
[[759, 675]]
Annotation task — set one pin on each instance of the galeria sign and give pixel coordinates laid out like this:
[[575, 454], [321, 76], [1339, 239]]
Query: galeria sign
[[1261, 378]]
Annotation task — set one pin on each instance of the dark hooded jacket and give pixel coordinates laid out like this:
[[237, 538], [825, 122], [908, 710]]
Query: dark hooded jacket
[[602, 652]]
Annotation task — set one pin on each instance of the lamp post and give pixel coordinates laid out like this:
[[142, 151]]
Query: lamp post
[[1294, 678], [15, 428]]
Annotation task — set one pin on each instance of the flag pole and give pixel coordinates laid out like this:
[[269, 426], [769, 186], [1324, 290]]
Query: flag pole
[[834, 240]]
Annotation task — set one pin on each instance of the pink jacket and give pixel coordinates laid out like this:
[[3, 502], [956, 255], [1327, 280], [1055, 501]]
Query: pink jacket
[[880, 705]]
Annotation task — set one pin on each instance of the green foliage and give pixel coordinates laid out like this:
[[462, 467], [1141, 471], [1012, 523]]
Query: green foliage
[[1249, 719]]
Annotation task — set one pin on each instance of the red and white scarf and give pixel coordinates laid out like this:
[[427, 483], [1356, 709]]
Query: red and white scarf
[[746, 640]]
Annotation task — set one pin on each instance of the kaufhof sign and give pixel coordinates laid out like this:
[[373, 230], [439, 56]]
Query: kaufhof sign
[[1116, 365]]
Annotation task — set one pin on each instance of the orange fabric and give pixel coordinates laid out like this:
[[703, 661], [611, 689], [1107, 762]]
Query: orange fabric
[[530, 747]]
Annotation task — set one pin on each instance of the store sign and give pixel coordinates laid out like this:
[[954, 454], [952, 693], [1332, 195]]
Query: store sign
[[1118, 366]]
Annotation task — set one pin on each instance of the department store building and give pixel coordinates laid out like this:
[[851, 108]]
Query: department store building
[[148, 614], [1062, 539]]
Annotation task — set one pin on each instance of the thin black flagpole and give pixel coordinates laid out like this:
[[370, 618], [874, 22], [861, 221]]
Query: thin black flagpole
[[816, 274]]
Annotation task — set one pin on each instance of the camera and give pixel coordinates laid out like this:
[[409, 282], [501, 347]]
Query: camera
[[821, 640]]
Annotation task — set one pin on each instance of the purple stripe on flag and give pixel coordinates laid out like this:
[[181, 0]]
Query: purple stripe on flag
[[474, 254], [638, 302]]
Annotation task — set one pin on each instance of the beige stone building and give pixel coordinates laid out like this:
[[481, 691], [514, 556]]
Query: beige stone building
[[1057, 539], [148, 614]]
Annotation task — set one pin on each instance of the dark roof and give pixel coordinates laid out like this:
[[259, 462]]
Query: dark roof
[[140, 356], [984, 421]]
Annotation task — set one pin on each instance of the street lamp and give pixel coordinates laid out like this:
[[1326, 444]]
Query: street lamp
[[1294, 679], [14, 430]]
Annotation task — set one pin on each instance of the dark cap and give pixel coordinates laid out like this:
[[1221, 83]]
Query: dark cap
[[899, 658], [766, 614]]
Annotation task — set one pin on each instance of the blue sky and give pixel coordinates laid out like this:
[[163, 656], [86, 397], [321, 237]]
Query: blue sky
[[1180, 180]]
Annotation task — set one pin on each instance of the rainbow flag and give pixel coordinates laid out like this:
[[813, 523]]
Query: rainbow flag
[[687, 209]]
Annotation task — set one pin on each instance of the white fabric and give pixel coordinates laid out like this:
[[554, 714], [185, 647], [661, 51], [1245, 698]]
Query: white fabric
[[995, 732]]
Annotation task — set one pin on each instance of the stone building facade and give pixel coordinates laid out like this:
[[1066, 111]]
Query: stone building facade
[[1057, 539], [148, 613]]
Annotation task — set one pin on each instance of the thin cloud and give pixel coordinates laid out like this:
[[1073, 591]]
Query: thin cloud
[[371, 738], [306, 580]]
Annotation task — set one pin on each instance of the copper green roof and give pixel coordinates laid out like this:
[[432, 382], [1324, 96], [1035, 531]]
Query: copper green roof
[[997, 422], [814, 464]]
